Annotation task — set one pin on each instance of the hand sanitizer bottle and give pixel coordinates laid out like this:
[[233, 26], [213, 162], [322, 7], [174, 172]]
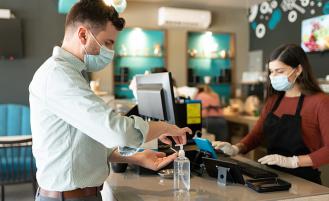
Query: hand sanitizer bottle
[[181, 172]]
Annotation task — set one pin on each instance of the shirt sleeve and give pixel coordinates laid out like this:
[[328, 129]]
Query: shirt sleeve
[[69, 97], [254, 137], [320, 156], [110, 151]]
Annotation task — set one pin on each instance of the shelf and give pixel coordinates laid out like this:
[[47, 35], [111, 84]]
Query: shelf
[[211, 54], [139, 56], [220, 83], [119, 83], [251, 82], [150, 53], [215, 58], [322, 81], [212, 84]]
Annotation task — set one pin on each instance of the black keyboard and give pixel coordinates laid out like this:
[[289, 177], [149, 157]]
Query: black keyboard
[[256, 172], [251, 171]]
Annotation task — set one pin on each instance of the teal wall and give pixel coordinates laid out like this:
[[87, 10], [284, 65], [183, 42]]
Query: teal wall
[[137, 65], [204, 64], [135, 49], [64, 6]]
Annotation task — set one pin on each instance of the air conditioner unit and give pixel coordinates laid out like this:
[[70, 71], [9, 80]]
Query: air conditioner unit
[[177, 17], [5, 14]]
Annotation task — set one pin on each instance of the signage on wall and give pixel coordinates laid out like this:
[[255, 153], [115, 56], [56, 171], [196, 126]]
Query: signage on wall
[[265, 17], [315, 34]]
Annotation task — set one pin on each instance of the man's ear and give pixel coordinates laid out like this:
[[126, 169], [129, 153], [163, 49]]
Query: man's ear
[[82, 34]]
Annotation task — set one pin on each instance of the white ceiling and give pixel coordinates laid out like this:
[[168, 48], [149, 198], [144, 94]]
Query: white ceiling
[[217, 3]]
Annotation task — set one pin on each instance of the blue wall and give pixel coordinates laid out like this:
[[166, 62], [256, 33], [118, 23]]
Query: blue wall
[[135, 49], [206, 63]]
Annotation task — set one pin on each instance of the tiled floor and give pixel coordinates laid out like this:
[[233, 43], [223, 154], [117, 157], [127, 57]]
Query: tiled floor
[[22, 192]]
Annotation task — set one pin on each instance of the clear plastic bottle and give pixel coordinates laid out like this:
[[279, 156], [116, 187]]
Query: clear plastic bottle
[[181, 172]]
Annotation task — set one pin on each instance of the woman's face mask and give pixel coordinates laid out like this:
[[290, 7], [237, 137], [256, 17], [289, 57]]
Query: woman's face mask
[[98, 62], [280, 76], [281, 82]]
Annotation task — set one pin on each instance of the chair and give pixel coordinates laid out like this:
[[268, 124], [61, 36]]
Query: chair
[[17, 164], [14, 120]]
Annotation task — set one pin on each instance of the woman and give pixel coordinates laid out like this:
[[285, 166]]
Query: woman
[[294, 119], [212, 119], [210, 102]]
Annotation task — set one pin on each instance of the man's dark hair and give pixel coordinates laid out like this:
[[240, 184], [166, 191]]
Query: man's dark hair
[[95, 13]]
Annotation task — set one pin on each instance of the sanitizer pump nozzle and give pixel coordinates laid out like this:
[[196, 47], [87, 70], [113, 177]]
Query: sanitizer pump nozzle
[[181, 152]]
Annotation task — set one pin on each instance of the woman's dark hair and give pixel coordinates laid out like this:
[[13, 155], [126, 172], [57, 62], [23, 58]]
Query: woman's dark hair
[[94, 12], [293, 56]]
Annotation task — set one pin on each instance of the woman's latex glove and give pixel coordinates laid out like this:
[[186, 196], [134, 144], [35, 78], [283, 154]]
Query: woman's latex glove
[[226, 147], [282, 161]]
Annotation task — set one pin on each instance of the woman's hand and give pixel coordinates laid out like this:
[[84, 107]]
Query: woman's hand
[[226, 147], [282, 161]]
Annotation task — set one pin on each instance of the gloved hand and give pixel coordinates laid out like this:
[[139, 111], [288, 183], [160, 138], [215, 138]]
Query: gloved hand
[[226, 147], [282, 161]]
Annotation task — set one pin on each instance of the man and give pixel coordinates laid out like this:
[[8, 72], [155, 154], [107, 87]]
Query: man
[[74, 132]]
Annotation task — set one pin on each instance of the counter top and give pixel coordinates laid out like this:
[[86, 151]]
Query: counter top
[[130, 186]]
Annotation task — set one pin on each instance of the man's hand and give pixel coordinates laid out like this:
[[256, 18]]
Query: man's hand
[[178, 134], [226, 147], [152, 160], [161, 130], [282, 161]]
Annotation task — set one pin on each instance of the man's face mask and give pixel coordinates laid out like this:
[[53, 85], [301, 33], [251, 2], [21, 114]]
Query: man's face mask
[[98, 62], [281, 82]]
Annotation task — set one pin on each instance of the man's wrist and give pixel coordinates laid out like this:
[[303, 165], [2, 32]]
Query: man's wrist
[[164, 128], [131, 159]]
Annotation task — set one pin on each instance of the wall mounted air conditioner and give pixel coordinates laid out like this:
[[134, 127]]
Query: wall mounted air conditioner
[[5, 14], [177, 17]]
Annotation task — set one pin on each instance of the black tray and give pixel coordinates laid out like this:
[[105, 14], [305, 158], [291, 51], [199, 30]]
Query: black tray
[[268, 185]]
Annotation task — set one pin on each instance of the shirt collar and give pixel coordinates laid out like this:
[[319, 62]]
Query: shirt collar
[[60, 53]]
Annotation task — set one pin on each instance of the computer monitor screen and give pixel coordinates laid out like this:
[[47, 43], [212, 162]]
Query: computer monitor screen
[[148, 94], [159, 86]]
